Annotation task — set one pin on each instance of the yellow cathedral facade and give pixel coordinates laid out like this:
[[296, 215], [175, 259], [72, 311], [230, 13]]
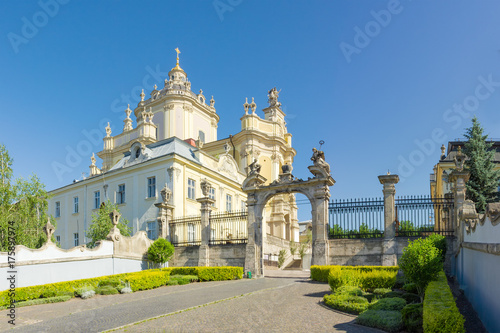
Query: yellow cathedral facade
[[173, 144]]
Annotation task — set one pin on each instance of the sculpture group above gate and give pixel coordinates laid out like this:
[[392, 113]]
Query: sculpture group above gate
[[316, 189]]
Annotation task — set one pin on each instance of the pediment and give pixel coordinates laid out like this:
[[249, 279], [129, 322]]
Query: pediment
[[228, 166]]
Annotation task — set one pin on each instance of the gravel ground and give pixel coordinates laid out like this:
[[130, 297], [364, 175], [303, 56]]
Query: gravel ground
[[472, 322]]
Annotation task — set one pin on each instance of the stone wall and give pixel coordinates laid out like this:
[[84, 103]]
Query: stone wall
[[185, 256], [477, 267], [228, 255]]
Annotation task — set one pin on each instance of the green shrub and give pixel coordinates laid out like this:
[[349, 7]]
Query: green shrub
[[113, 282], [389, 321], [281, 258], [146, 280], [349, 291], [411, 298], [160, 251], [412, 317], [56, 299], [395, 293], [388, 304], [421, 263], [184, 279], [440, 313], [172, 283], [106, 290], [377, 279], [346, 303], [400, 281], [439, 242], [321, 273], [381, 291], [208, 273], [410, 287], [334, 277]]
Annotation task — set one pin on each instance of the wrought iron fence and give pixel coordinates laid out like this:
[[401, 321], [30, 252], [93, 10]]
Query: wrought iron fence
[[185, 231], [418, 216], [356, 218], [229, 228]]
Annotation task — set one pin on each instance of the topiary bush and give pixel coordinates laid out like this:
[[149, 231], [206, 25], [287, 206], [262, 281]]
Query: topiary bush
[[389, 321], [106, 290], [395, 293], [411, 298], [346, 303], [160, 251], [440, 312], [388, 304], [412, 316], [421, 263], [410, 287]]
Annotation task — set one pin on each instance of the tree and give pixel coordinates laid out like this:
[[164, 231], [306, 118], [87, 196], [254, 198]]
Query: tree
[[101, 224], [421, 263], [484, 180], [24, 204], [160, 251]]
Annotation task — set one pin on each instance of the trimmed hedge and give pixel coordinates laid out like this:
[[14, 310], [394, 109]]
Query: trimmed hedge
[[143, 280], [208, 273], [363, 278], [412, 317], [320, 273], [347, 303], [389, 321], [56, 299], [440, 310], [388, 304]]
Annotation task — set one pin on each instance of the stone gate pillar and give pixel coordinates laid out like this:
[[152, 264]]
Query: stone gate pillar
[[389, 249], [253, 257], [459, 178], [164, 213], [206, 204], [320, 246]]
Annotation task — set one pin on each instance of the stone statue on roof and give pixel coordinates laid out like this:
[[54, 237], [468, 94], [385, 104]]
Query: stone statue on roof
[[319, 160], [273, 95]]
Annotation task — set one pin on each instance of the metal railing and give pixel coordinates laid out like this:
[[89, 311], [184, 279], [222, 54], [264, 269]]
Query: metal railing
[[229, 228], [418, 216], [185, 231], [356, 218]]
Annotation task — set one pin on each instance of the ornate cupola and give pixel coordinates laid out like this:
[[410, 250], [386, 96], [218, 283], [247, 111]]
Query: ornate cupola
[[177, 74]]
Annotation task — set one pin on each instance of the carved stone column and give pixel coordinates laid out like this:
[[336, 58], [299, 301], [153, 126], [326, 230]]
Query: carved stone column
[[164, 213], [459, 178], [253, 254], [321, 248], [389, 246], [206, 204]]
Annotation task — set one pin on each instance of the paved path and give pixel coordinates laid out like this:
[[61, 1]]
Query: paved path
[[257, 305]]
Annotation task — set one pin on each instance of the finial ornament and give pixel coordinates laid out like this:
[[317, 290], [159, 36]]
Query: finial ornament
[[246, 106], [127, 121], [49, 230], [459, 159], [443, 150], [253, 106], [155, 86], [212, 101], [142, 95], [108, 131], [92, 159], [227, 147]]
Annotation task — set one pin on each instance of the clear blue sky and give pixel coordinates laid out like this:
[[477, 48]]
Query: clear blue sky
[[373, 79]]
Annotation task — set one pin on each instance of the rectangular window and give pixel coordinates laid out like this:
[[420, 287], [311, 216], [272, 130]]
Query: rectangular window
[[243, 205], [201, 136], [75, 237], [190, 232], [97, 199], [152, 230], [191, 189], [151, 187], [120, 195], [211, 194], [75, 205], [229, 203], [58, 209], [58, 240]]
